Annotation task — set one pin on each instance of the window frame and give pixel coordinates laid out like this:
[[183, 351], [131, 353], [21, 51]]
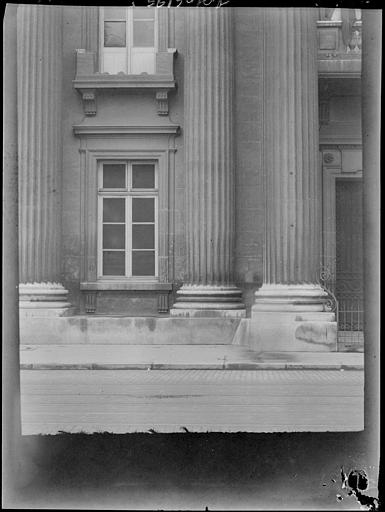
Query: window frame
[[129, 49], [127, 193]]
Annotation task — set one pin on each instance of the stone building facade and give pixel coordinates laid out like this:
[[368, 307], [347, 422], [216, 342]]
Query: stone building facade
[[181, 165]]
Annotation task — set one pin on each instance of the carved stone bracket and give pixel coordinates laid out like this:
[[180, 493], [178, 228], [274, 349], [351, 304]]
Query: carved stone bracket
[[89, 101], [90, 302], [163, 303], [162, 102]]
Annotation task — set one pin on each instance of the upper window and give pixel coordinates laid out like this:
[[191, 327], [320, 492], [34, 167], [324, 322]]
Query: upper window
[[128, 224], [128, 39]]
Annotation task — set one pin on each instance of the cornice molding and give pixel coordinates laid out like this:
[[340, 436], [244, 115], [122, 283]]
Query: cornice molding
[[106, 81], [126, 130], [348, 143], [124, 285]]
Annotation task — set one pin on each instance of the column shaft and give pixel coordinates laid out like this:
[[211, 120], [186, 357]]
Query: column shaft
[[39, 75], [209, 154], [209, 161], [293, 188], [290, 310], [39, 105]]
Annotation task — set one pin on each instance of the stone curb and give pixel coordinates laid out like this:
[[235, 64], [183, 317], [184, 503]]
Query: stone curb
[[165, 366]]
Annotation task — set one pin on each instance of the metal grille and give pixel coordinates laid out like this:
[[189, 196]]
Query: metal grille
[[342, 277], [349, 262]]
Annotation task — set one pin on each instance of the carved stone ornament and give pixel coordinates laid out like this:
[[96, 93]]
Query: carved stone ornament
[[328, 158], [162, 102], [90, 302], [89, 102], [163, 303]]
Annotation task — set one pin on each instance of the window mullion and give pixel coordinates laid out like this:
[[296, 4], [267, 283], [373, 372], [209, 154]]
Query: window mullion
[[128, 225], [129, 40], [156, 235], [99, 236]]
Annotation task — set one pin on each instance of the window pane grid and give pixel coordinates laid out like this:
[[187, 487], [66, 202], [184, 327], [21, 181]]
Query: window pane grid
[[130, 48], [135, 250]]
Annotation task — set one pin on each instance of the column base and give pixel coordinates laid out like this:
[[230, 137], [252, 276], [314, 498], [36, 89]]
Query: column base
[[292, 318], [43, 299], [209, 301]]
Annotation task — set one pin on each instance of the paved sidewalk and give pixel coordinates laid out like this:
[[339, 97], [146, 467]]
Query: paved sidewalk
[[191, 400], [168, 357]]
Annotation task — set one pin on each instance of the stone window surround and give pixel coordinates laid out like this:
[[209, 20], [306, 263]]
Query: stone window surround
[[100, 143], [333, 168]]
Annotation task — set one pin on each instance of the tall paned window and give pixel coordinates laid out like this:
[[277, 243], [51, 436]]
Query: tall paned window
[[128, 39], [127, 219]]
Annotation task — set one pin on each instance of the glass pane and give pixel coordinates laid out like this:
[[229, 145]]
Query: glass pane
[[114, 263], [113, 13], [144, 33], [114, 176], [143, 263], [143, 176], [143, 236], [114, 210], [114, 34], [143, 209], [141, 13], [114, 236]]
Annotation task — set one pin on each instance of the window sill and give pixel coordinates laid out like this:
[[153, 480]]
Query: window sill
[[125, 286], [122, 81]]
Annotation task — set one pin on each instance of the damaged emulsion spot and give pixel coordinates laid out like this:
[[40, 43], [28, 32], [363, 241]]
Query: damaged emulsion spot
[[355, 482], [316, 332]]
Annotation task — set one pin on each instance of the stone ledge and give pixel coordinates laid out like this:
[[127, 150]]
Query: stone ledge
[[122, 286], [163, 366], [204, 312], [89, 129]]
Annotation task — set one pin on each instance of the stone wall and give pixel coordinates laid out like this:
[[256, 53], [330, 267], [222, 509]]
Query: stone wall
[[140, 107], [249, 230]]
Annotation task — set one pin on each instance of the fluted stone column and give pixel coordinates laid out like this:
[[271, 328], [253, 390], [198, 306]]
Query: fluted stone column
[[290, 310], [209, 288], [39, 61]]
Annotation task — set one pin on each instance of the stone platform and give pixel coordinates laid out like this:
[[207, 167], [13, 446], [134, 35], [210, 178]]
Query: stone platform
[[125, 330]]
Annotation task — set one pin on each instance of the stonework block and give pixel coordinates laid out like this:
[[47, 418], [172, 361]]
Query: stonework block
[[283, 331], [249, 108], [190, 312], [137, 330], [164, 63], [250, 131], [85, 62], [127, 304], [249, 153]]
